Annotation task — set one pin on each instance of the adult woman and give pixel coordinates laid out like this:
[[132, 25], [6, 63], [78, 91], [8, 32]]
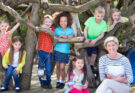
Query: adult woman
[[115, 69]]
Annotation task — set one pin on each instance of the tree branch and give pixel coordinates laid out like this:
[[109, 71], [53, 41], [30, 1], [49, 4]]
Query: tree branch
[[111, 33], [18, 17], [69, 8]]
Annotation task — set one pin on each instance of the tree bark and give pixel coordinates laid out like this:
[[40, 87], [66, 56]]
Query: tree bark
[[30, 48], [74, 9]]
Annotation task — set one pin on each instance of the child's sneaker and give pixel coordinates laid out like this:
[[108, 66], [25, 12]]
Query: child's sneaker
[[49, 86], [40, 72], [17, 89], [58, 85], [62, 85], [3, 89]]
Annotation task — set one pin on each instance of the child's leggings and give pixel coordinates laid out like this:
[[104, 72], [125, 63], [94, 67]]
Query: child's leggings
[[78, 91]]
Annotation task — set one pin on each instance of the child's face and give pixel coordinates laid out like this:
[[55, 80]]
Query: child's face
[[47, 22], [4, 27], [99, 17], [116, 16], [17, 45], [63, 22], [79, 64]]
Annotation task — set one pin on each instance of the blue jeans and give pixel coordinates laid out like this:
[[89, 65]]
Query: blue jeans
[[9, 73], [45, 60]]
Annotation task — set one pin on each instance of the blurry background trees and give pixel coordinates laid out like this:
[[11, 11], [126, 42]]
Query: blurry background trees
[[30, 13]]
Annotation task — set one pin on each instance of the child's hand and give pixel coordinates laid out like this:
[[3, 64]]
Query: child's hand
[[93, 42], [84, 87], [16, 71], [69, 37], [87, 41], [116, 22], [63, 36], [6, 67], [78, 87], [45, 26]]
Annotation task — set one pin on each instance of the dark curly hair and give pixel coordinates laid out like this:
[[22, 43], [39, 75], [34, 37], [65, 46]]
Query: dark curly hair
[[57, 17]]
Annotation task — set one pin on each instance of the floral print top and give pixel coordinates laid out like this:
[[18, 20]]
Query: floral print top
[[75, 79]]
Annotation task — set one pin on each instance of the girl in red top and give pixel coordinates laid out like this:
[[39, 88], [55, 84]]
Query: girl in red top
[[45, 48], [5, 35]]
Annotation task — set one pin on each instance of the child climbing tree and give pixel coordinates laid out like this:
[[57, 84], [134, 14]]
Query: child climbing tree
[[12, 9]]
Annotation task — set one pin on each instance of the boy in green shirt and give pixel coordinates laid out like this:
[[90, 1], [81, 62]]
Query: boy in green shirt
[[94, 31]]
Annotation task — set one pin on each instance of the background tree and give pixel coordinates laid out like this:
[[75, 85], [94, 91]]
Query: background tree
[[30, 12]]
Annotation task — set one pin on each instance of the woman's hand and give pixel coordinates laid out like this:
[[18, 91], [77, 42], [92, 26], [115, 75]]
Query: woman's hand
[[121, 79], [78, 87], [5, 67], [16, 71], [109, 76]]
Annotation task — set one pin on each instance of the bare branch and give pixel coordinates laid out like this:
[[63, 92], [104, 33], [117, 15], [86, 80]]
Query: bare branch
[[76, 9], [26, 10], [111, 33], [18, 17], [72, 40]]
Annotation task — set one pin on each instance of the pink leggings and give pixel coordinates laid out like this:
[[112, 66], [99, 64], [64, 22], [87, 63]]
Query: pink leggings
[[78, 91]]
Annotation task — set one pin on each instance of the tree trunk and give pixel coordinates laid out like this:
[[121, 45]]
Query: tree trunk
[[31, 40], [2, 72]]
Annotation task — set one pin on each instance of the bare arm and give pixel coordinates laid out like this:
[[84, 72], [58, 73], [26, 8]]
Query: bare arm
[[14, 28], [85, 32], [93, 42], [101, 36]]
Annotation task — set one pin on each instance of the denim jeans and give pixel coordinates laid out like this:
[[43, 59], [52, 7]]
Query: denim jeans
[[45, 60], [9, 73]]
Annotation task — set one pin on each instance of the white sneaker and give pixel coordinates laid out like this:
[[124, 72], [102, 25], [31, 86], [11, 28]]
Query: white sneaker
[[40, 72], [17, 88]]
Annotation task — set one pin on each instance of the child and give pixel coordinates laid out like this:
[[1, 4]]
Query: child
[[77, 76], [94, 31], [13, 61], [62, 50], [45, 48], [5, 35], [115, 18]]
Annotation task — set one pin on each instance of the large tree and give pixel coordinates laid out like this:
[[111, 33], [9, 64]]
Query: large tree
[[34, 9]]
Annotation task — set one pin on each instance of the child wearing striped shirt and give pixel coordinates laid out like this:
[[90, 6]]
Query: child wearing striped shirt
[[115, 18]]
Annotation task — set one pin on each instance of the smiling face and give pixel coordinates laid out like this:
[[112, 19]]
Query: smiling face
[[47, 22], [111, 47], [99, 17], [63, 22], [4, 27], [17, 45], [79, 64], [116, 16]]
